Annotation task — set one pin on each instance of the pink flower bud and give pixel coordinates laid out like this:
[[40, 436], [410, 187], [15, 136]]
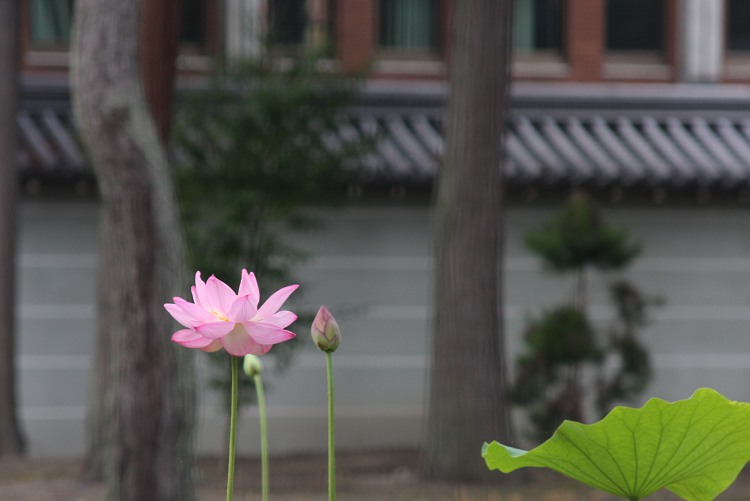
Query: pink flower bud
[[325, 331]]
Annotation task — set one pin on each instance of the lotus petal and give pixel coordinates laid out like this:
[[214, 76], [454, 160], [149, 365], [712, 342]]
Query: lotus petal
[[215, 330], [267, 333], [249, 285], [219, 296], [274, 302], [281, 319], [238, 342], [242, 309]]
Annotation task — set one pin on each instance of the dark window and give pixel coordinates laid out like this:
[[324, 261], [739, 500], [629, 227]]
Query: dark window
[[193, 27], [288, 21], [738, 36], [537, 25], [408, 24], [50, 21], [635, 25]]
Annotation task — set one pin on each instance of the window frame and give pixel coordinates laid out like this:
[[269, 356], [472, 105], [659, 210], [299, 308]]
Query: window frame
[[644, 65], [544, 55], [53, 58], [435, 53], [648, 56]]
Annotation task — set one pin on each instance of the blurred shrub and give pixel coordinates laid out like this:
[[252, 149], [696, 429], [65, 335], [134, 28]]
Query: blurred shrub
[[562, 341]]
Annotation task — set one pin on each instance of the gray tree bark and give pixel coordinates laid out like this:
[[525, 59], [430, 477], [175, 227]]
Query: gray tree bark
[[468, 402], [11, 441], [145, 382]]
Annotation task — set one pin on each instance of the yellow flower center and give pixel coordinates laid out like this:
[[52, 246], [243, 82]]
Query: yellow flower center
[[216, 314]]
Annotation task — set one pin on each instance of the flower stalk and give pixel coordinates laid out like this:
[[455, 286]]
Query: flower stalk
[[331, 430], [253, 367], [263, 436], [232, 432]]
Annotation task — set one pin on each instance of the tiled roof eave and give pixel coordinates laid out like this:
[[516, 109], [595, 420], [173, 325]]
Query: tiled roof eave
[[549, 142]]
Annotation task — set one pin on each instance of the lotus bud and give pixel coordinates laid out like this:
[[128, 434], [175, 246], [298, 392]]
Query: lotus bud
[[325, 331], [252, 365]]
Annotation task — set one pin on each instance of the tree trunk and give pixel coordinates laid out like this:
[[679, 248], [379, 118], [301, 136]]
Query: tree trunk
[[97, 417], [11, 442], [468, 397], [146, 384], [158, 47]]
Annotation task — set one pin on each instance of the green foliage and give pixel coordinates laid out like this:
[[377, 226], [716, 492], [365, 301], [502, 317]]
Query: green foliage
[[577, 237], [251, 152], [695, 448], [631, 305], [557, 341], [563, 335], [560, 342], [634, 372]]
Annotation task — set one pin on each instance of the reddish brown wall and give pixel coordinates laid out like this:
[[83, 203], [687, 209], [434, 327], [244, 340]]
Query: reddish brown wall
[[356, 33], [445, 27], [584, 38]]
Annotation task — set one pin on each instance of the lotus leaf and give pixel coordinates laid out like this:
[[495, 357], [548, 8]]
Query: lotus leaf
[[694, 447]]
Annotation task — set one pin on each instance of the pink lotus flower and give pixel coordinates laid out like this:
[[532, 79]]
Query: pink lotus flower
[[220, 318]]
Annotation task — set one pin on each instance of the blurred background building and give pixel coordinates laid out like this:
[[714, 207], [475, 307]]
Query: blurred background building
[[642, 102]]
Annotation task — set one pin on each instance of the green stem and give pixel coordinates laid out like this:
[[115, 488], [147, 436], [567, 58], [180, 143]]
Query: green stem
[[331, 448], [232, 431], [263, 435]]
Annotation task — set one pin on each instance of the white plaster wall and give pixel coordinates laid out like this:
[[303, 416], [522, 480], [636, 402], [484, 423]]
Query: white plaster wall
[[702, 35], [370, 265], [244, 28]]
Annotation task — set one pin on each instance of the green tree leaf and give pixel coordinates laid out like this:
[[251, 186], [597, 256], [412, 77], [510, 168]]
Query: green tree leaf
[[695, 448], [578, 237]]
